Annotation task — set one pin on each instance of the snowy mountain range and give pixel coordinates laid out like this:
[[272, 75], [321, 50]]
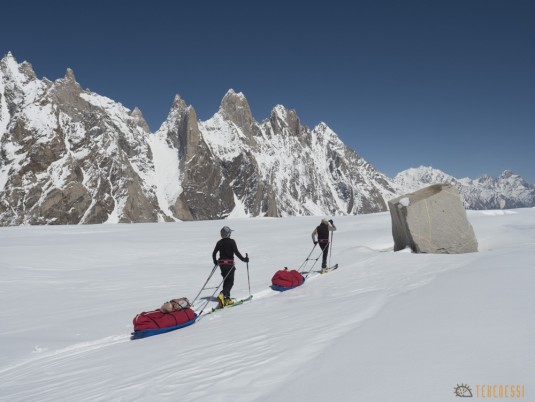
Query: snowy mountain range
[[507, 191], [69, 156]]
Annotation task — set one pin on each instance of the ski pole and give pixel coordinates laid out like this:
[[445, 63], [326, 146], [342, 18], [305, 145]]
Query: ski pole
[[331, 248], [248, 279], [205, 283], [215, 291]]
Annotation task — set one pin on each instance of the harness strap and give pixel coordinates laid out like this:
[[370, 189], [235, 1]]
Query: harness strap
[[225, 262], [150, 318]]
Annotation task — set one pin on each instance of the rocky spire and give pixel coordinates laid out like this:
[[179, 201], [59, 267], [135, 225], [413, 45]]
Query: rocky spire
[[24, 71], [179, 103], [235, 108], [178, 124], [8, 58], [206, 193], [27, 69], [69, 75], [66, 92], [140, 120], [282, 118]]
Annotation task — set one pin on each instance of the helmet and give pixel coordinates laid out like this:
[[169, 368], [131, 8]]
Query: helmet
[[225, 232], [325, 221]]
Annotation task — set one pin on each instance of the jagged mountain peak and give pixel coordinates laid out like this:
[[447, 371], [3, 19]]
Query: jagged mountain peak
[[9, 58], [181, 111], [69, 75], [27, 69], [486, 192], [324, 130], [229, 166], [421, 171], [234, 107], [415, 178], [233, 100], [507, 174], [136, 113], [72, 156], [232, 94], [428, 174], [283, 119], [139, 119], [22, 86], [67, 91], [21, 73], [68, 80], [280, 111], [179, 103], [322, 127]]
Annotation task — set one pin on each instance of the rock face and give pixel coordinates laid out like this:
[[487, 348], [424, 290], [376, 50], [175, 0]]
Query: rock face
[[279, 167], [193, 185], [70, 156], [432, 220]]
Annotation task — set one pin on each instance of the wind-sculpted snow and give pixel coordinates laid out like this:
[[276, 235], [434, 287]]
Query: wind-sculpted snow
[[384, 326]]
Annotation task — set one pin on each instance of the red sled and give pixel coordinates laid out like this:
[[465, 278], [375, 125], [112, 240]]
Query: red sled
[[285, 279], [155, 322]]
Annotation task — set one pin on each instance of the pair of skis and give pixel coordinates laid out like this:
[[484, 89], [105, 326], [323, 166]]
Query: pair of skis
[[329, 269], [236, 303], [301, 269]]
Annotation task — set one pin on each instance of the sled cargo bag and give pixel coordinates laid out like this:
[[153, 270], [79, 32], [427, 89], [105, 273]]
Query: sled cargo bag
[[285, 279], [155, 322]]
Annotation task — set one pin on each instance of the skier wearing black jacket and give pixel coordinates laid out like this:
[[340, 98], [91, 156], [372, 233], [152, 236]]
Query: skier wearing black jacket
[[322, 231], [227, 248]]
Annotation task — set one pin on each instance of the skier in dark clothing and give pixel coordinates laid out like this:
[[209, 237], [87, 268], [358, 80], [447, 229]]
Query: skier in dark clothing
[[227, 248], [322, 231]]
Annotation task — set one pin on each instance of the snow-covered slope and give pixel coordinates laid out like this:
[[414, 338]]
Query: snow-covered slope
[[305, 172], [385, 326], [68, 155], [507, 191]]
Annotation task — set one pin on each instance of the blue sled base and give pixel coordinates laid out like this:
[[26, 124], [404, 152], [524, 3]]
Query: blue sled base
[[283, 289], [157, 331]]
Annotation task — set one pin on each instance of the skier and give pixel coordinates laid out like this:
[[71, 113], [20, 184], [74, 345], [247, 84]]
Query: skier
[[322, 231], [227, 248]]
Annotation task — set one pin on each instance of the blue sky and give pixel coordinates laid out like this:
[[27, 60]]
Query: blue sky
[[448, 84]]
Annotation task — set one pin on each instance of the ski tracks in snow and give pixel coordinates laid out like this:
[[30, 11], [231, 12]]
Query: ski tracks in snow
[[253, 350], [50, 358]]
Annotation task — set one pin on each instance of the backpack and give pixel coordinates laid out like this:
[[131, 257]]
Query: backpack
[[175, 305]]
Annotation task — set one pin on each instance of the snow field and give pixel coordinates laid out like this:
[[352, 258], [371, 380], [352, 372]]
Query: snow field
[[384, 326]]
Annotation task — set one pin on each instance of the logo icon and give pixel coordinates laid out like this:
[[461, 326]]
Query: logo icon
[[463, 391]]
